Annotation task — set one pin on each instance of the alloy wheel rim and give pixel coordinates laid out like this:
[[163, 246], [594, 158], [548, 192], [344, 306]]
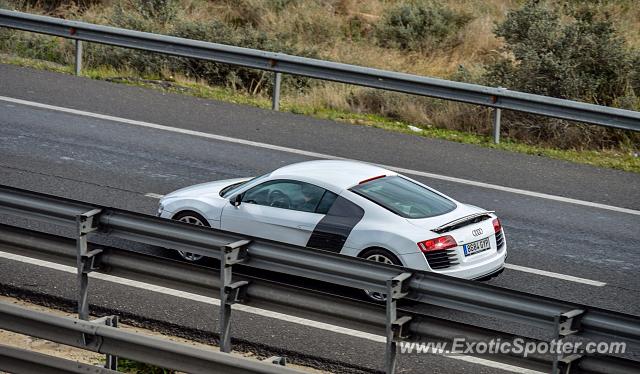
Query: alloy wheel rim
[[189, 256], [378, 296]]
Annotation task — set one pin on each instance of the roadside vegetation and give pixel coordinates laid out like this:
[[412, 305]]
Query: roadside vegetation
[[134, 367], [581, 50]]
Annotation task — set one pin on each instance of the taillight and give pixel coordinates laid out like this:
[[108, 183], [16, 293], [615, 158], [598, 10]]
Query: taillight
[[496, 226], [437, 244]]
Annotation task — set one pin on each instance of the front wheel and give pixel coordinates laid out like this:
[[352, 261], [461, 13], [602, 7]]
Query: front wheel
[[194, 219], [385, 257]]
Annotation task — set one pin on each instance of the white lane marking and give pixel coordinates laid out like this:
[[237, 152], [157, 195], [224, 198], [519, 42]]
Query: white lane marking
[[319, 155], [249, 309], [551, 274], [154, 195]]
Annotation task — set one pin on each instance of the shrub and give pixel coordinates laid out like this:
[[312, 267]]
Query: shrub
[[127, 15], [635, 73], [248, 79], [580, 59], [51, 5], [418, 25], [246, 13], [162, 11], [251, 80], [584, 59], [36, 46], [143, 15]]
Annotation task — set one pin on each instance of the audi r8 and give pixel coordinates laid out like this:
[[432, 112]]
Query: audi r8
[[353, 208]]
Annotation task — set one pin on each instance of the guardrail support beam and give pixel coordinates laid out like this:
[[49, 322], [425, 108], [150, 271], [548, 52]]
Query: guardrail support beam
[[111, 362], [85, 259], [230, 293], [565, 324], [395, 331], [275, 97], [78, 64]]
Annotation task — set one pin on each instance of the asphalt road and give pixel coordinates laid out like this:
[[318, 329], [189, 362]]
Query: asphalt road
[[117, 164]]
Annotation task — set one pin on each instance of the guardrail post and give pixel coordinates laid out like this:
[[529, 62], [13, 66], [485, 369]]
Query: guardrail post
[[497, 114], [111, 362], [85, 259], [565, 324], [78, 66], [395, 331], [497, 117], [230, 293], [275, 97]]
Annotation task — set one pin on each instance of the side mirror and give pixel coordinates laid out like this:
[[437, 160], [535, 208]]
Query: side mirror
[[236, 200]]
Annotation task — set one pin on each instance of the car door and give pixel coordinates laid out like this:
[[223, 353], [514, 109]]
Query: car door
[[281, 210]]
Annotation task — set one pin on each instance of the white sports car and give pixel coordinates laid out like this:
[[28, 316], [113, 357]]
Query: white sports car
[[353, 208]]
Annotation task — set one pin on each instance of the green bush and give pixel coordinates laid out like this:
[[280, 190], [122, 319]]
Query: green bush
[[154, 64], [580, 57], [134, 15], [161, 16], [134, 367], [419, 25], [52, 5], [635, 73], [584, 59], [162, 11], [36, 46], [243, 78], [127, 15]]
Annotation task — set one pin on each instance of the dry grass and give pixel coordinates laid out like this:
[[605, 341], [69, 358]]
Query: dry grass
[[342, 30]]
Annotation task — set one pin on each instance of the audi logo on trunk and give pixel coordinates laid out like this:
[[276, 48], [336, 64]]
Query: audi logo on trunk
[[477, 232]]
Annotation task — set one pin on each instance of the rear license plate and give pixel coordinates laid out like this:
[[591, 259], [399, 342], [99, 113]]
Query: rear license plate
[[476, 247]]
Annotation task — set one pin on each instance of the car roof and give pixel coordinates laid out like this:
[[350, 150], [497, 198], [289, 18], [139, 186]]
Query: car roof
[[341, 174]]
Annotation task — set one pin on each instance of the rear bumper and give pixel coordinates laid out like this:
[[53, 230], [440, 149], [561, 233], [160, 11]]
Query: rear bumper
[[482, 269], [490, 275], [487, 267]]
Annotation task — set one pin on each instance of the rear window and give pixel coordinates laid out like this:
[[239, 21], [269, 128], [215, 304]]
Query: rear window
[[404, 198]]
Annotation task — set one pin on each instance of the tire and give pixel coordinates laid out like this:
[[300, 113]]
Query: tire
[[194, 219], [379, 255]]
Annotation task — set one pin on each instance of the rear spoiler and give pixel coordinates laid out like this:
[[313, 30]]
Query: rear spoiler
[[464, 221]]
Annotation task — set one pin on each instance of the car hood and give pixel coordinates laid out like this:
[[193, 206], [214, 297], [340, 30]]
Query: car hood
[[204, 189], [462, 210]]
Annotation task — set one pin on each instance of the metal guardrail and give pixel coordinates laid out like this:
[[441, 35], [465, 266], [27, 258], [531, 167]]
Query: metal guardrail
[[16, 360], [280, 63], [557, 316], [295, 301], [110, 340]]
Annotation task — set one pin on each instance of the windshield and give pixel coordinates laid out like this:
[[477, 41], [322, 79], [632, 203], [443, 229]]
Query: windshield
[[231, 189], [404, 198]]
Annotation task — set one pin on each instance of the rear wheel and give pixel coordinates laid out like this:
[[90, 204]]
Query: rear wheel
[[194, 219], [385, 257]]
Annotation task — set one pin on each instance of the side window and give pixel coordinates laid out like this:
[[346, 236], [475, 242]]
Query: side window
[[326, 202], [285, 194]]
